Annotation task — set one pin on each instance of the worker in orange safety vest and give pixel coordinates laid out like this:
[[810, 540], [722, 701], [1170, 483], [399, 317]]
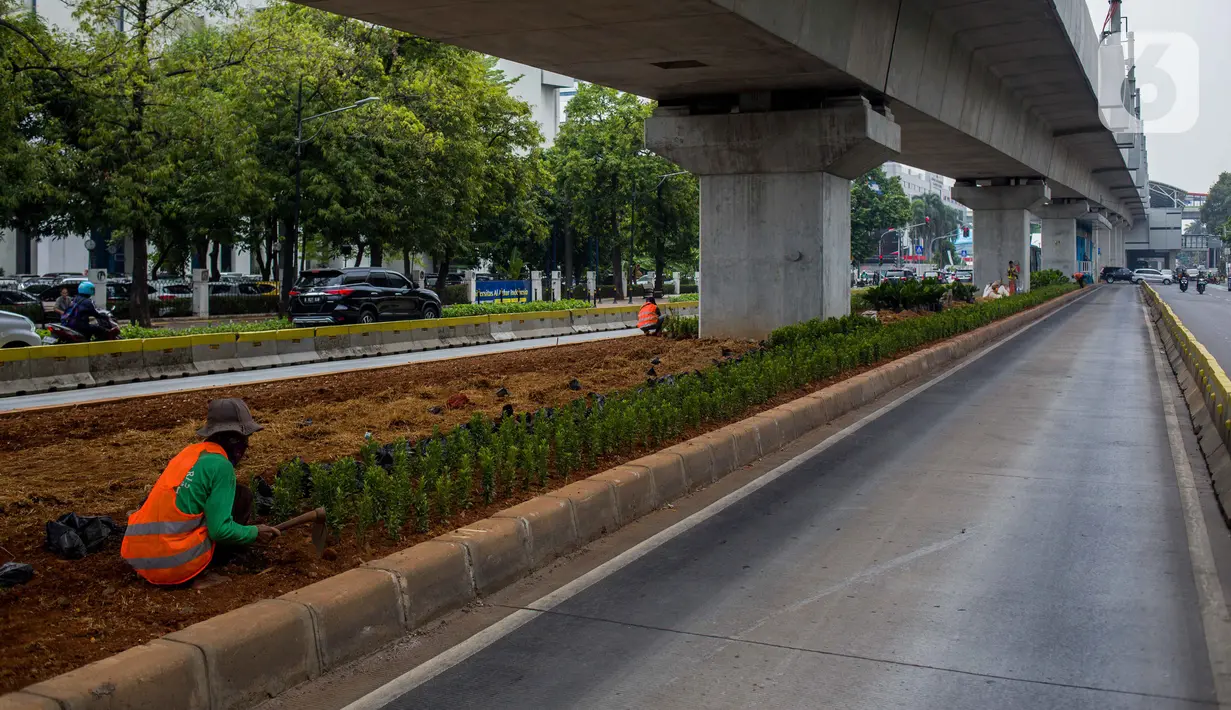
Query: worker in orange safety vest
[[649, 319], [197, 505]]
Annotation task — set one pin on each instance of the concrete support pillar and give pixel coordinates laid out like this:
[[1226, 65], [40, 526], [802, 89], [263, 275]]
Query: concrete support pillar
[[1002, 226], [1060, 234], [775, 207]]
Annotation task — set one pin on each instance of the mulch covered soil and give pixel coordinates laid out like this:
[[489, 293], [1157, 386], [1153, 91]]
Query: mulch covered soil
[[102, 459]]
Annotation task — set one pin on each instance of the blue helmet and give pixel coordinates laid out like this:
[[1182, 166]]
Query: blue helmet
[[85, 288]]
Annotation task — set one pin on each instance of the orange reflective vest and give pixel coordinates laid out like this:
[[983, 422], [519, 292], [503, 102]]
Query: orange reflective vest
[[647, 317], [165, 545]]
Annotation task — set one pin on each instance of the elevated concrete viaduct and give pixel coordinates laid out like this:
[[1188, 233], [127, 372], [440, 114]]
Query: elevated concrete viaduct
[[777, 104]]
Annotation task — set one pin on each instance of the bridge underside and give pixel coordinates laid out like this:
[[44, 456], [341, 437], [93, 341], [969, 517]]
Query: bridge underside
[[981, 88]]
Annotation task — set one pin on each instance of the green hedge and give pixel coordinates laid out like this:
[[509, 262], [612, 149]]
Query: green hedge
[[425, 483], [1048, 277], [693, 297], [490, 309], [681, 327]]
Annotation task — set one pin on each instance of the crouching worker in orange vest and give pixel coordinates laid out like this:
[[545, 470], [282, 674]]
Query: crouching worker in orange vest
[[197, 504], [649, 319]]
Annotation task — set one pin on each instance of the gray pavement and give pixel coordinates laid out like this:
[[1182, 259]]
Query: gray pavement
[[1011, 537], [1207, 315], [247, 377]]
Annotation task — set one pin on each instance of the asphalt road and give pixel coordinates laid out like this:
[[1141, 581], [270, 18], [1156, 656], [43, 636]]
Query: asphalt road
[[1004, 539], [247, 377], [1207, 315]]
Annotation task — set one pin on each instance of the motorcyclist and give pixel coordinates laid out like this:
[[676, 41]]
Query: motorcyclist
[[1200, 282], [1183, 280], [79, 311]]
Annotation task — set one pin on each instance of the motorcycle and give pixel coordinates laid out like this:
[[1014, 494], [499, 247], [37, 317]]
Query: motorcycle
[[1183, 285], [1200, 285], [58, 333]]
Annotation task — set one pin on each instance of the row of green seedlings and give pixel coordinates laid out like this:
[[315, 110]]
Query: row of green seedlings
[[426, 483]]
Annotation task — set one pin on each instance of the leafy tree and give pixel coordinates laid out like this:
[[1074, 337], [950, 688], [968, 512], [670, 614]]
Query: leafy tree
[[598, 160], [878, 203], [941, 226], [1216, 212]]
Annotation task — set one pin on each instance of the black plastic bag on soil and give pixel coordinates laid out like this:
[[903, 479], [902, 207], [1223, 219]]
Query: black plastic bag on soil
[[262, 496], [74, 536], [15, 573]]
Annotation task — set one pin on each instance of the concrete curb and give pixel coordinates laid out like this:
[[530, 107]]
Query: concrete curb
[[1206, 389], [238, 659]]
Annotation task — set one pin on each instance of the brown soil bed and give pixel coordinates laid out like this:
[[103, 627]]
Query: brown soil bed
[[101, 459]]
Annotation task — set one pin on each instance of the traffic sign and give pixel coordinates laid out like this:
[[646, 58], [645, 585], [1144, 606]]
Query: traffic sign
[[919, 249], [964, 254]]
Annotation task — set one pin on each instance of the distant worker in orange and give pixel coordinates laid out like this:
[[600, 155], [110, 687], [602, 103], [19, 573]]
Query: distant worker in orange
[[197, 505], [649, 318]]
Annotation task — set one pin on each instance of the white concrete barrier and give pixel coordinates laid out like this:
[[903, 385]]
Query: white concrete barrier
[[168, 357], [296, 345], [466, 330], [60, 367], [117, 362], [258, 349], [215, 353], [332, 342], [397, 337], [545, 324], [14, 371], [365, 340], [502, 326]]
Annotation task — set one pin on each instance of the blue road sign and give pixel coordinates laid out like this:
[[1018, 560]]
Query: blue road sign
[[964, 254], [918, 249]]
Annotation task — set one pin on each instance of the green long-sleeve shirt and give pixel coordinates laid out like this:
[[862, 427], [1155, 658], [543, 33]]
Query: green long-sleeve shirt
[[210, 488]]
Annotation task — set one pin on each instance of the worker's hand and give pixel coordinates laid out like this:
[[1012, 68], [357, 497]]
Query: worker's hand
[[265, 533]]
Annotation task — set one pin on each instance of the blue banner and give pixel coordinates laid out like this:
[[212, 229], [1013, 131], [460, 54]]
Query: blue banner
[[503, 291]]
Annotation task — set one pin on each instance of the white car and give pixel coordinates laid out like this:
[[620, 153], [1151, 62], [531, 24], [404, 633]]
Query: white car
[[1162, 276], [17, 331]]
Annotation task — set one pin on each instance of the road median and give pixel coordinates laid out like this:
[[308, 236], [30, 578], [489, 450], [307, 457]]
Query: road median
[[244, 656]]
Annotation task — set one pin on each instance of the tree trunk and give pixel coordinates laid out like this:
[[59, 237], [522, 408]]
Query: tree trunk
[[378, 253], [406, 266], [214, 252], [660, 261], [139, 298], [568, 255], [286, 259], [617, 255], [358, 253], [442, 270]]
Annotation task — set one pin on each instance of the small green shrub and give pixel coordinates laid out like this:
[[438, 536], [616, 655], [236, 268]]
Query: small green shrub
[[486, 309], [1048, 277], [681, 327], [685, 298]]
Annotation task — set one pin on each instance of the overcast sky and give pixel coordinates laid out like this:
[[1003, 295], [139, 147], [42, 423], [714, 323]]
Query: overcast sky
[[1191, 159]]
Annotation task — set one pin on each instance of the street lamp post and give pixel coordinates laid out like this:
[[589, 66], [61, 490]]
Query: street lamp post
[[298, 237]]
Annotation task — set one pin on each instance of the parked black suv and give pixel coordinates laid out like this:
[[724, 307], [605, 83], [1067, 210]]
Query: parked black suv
[[362, 295], [1111, 274]]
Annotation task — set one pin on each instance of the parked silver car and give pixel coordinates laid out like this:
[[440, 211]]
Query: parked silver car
[[16, 331], [1162, 276]]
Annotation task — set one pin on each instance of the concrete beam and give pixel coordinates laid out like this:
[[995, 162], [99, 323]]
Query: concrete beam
[[1029, 196], [846, 139], [1063, 210]]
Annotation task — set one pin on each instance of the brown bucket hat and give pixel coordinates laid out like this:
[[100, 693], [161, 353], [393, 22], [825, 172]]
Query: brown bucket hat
[[228, 415]]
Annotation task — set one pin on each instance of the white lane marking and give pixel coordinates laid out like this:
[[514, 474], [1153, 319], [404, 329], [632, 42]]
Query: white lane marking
[[408, 681], [1214, 618]]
